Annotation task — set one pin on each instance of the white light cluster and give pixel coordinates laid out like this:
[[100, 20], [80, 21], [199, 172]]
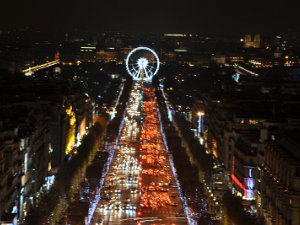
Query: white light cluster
[[187, 211], [111, 151]]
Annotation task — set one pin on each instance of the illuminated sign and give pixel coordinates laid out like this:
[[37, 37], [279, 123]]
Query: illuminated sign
[[248, 195], [236, 77], [250, 173], [200, 122], [249, 184]]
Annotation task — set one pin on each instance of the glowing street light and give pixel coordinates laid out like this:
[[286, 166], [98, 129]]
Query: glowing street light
[[200, 128]]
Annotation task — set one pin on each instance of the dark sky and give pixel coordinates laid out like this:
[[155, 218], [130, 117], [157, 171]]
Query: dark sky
[[202, 16]]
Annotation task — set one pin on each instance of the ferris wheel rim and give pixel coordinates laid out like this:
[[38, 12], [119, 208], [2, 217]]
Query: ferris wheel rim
[[137, 70]]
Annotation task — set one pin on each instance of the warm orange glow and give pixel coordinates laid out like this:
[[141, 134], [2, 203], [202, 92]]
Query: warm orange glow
[[70, 141], [82, 127], [200, 113], [236, 181], [215, 147], [253, 122]]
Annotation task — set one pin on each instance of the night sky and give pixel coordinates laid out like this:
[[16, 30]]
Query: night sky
[[202, 16]]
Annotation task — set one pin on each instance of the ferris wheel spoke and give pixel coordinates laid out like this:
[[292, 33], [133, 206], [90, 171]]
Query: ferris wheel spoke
[[149, 72], [151, 67], [133, 70], [136, 67], [135, 75], [138, 74], [146, 73], [154, 64]]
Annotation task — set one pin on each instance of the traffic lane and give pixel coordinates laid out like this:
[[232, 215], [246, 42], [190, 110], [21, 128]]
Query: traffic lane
[[168, 210], [129, 135], [114, 214]]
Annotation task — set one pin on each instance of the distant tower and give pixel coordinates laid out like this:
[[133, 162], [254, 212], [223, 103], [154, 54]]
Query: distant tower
[[249, 43], [248, 40], [256, 41]]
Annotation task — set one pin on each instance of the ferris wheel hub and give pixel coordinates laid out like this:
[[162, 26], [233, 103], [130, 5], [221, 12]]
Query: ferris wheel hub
[[142, 62]]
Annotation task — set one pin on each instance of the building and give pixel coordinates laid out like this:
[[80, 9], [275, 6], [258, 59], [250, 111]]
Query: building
[[239, 120], [245, 148], [252, 43], [38, 130], [25, 160], [280, 188]]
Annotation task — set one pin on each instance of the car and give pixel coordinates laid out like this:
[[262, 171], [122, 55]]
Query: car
[[118, 191], [118, 206], [174, 204], [109, 207], [132, 207], [133, 191]]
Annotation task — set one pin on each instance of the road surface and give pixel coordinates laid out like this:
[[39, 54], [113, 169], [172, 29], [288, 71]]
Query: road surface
[[139, 187]]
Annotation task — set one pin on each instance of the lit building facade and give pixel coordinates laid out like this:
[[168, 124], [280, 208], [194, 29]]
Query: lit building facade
[[244, 164], [280, 188], [252, 43], [24, 167]]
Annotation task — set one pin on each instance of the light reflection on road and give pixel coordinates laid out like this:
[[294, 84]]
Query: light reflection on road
[[139, 187]]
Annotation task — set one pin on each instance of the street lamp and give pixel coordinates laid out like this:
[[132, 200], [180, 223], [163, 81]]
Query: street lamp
[[200, 128], [200, 113]]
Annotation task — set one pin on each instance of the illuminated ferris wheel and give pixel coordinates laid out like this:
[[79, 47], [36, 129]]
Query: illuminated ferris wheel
[[142, 63]]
